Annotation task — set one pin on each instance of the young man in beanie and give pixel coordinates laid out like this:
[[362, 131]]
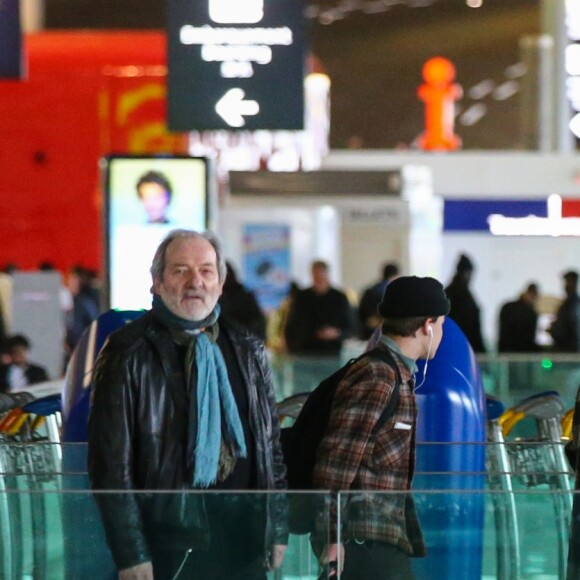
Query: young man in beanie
[[380, 532]]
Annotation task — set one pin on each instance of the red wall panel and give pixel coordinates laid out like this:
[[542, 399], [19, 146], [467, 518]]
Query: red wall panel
[[53, 130]]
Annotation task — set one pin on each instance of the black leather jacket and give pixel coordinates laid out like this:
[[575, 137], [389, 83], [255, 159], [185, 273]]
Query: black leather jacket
[[138, 438]]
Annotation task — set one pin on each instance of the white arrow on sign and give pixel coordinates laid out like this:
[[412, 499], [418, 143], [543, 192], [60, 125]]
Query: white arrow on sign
[[232, 108]]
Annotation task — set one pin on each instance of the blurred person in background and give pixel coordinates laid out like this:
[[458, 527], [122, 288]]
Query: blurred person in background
[[6, 299], [368, 316], [2, 323], [9, 268], [278, 319], [518, 322], [86, 306], [464, 309], [565, 329], [239, 304], [320, 317], [5, 358], [19, 372]]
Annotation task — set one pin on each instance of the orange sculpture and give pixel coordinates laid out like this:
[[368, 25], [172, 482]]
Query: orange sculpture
[[439, 94]]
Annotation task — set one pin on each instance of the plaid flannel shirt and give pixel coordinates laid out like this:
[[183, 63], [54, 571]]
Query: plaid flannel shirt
[[352, 457]]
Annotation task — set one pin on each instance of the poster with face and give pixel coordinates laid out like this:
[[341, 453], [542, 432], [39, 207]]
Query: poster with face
[[146, 198]]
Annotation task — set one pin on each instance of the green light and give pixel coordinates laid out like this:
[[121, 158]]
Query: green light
[[547, 364]]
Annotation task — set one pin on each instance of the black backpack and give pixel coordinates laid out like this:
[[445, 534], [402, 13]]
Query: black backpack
[[300, 441]]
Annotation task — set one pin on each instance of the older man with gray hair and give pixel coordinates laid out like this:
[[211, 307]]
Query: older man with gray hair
[[182, 400]]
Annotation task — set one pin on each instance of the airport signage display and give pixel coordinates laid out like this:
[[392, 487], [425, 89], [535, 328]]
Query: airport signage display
[[552, 216], [235, 64], [474, 214], [10, 40], [572, 60]]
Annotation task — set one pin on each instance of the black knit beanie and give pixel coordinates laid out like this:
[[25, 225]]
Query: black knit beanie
[[411, 296]]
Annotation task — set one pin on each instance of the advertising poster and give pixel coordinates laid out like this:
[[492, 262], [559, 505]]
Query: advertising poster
[[235, 65], [266, 263], [147, 197]]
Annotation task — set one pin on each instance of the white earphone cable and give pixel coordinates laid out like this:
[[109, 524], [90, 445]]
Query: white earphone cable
[[426, 360]]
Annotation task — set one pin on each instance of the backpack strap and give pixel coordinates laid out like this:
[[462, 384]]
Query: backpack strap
[[386, 356]]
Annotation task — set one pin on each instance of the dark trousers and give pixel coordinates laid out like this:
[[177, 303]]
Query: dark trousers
[[375, 561], [573, 571], [201, 565], [235, 552]]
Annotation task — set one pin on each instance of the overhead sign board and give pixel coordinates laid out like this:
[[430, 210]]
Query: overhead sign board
[[463, 215], [235, 64], [572, 59], [10, 40]]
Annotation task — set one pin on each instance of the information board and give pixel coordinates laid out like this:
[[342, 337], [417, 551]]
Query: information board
[[235, 64]]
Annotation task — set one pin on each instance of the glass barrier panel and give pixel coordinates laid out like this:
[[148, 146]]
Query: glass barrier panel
[[195, 534], [487, 533], [511, 378], [466, 534], [515, 377], [301, 374]]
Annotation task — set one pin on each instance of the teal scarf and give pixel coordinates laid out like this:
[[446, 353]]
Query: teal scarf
[[217, 411]]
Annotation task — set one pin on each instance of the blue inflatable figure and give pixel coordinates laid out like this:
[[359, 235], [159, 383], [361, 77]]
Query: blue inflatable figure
[[452, 412], [86, 551]]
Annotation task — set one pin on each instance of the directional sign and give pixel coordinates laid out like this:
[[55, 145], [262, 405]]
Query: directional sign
[[10, 40], [235, 64], [571, 62]]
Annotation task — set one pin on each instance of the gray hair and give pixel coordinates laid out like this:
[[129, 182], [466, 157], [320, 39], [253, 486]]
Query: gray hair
[[158, 264]]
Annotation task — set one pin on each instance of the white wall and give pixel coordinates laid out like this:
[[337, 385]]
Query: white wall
[[313, 235], [37, 313], [372, 232], [366, 230], [356, 235], [504, 264], [477, 174]]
